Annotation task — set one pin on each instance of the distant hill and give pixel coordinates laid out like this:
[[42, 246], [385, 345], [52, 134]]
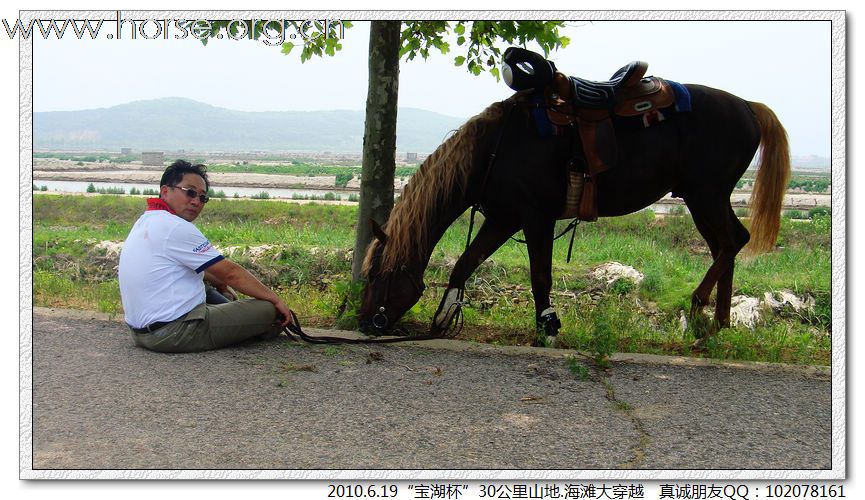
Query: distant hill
[[176, 123], [811, 162]]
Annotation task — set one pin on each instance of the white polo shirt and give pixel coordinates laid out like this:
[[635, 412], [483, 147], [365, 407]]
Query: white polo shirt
[[161, 267]]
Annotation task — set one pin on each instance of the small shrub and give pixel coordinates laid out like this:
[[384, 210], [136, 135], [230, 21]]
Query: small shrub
[[342, 179], [264, 195], [91, 188], [348, 310], [577, 368], [794, 214], [607, 318], [819, 212], [678, 210], [134, 190], [353, 198], [150, 192], [331, 197]]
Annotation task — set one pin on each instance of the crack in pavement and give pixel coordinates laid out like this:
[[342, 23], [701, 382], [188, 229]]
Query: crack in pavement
[[621, 406]]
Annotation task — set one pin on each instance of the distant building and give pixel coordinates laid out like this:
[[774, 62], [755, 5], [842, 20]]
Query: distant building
[[411, 157], [153, 158], [126, 151]]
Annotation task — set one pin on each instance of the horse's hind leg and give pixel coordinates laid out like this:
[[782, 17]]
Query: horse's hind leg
[[740, 237], [725, 236], [490, 237]]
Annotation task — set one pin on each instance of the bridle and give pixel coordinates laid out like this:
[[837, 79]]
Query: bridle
[[379, 319]]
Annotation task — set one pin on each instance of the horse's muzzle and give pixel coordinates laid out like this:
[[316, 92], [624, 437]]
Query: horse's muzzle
[[377, 325]]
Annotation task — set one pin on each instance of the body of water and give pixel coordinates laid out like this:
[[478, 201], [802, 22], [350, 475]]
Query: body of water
[[243, 192], [278, 193]]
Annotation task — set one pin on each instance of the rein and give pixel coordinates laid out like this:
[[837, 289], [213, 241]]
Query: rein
[[295, 328]]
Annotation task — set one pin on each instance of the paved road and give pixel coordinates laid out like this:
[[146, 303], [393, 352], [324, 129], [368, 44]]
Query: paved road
[[101, 403]]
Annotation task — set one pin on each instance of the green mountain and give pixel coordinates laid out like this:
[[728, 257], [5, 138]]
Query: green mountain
[[177, 123]]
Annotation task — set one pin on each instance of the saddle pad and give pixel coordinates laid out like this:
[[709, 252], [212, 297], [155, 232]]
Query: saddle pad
[[545, 127], [542, 121], [681, 95]]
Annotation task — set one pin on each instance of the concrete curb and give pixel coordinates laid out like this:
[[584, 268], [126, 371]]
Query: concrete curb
[[466, 346]]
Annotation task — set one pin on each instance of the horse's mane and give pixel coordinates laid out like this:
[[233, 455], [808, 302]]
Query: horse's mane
[[442, 175]]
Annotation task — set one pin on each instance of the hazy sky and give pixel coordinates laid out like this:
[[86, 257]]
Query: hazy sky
[[785, 64]]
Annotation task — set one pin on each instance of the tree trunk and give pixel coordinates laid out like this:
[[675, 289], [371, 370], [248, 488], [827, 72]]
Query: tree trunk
[[379, 136]]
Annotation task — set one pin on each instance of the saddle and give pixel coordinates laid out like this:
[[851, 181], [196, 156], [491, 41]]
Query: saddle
[[591, 105]]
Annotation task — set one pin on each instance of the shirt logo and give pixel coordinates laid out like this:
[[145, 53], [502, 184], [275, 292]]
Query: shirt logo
[[203, 248]]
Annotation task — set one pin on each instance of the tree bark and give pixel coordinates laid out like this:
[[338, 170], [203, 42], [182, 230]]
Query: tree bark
[[379, 136]]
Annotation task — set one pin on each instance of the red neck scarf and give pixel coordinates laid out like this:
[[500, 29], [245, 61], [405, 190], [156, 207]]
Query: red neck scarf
[[158, 204]]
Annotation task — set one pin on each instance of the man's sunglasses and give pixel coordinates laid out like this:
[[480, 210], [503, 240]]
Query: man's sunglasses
[[192, 193]]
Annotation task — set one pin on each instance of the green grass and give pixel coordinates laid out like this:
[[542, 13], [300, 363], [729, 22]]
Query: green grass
[[309, 266]]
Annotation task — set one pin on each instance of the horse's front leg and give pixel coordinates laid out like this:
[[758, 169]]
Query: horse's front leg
[[539, 239], [492, 234]]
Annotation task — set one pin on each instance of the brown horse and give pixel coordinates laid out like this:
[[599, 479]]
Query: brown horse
[[698, 156]]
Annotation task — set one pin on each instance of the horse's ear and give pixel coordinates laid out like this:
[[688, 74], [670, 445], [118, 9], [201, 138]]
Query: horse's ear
[[378, 231]]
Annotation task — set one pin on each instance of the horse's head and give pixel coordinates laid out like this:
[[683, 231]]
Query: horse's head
[[387, 293]]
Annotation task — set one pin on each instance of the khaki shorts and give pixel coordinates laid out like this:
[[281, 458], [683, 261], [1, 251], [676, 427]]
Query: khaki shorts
[[211, 326]]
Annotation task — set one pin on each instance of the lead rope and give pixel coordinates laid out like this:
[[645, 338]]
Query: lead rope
[[295, 328]]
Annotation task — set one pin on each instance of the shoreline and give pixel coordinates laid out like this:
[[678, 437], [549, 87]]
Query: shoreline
[[225, 181]]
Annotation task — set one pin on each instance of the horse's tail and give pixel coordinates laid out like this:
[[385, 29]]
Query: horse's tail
[[773, 174]]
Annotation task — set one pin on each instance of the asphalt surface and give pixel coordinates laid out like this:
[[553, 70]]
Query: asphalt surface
[[99, 402]]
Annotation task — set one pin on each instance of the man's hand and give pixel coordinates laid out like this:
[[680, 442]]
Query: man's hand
[[228, 293], [284, 315]]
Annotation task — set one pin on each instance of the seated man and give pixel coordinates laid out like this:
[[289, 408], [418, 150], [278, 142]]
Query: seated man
[[162, 266]]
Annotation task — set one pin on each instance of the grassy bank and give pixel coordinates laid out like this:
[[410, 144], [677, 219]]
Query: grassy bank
[[304, 251]]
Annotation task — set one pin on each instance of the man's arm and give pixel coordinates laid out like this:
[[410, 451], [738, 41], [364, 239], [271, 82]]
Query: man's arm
[[240, 279], [220, 285]]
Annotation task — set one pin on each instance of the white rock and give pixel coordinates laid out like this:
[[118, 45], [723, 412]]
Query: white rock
[[112, 248], [744, 311], [785, 298], [612, 271]]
